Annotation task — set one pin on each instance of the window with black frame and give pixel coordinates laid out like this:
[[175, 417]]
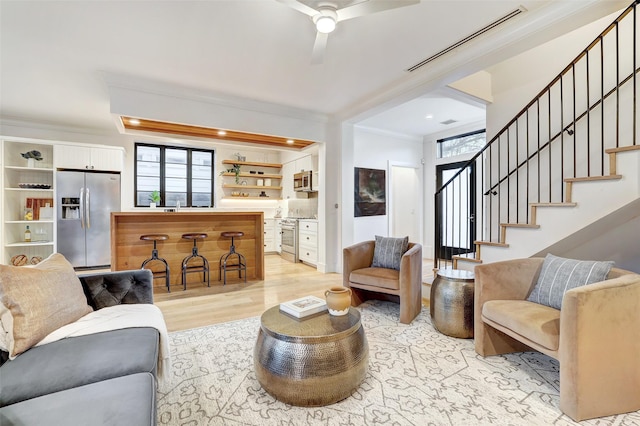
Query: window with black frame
[[462, 144], [174, 175]]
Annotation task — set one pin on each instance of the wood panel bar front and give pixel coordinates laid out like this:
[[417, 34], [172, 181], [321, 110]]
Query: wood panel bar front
[[128, 251]]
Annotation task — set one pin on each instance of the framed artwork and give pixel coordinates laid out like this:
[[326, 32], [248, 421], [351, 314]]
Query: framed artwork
[[369, 192]]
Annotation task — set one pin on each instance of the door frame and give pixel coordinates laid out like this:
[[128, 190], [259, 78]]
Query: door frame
[[419, 203]]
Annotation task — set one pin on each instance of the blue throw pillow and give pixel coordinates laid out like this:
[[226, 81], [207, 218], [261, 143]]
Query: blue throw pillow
[[388, 252], [559, 275]]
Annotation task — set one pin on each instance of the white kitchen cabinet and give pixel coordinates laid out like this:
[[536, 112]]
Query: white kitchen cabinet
[[88, 158], [308, 241], [279, 235], [304, 164], [288, 169], [269, 235]]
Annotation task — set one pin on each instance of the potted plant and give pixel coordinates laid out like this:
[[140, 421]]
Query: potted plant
[[154, 197], [235, 169]]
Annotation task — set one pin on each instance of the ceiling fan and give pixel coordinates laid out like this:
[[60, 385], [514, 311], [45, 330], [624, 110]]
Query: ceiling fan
[[326, 14]]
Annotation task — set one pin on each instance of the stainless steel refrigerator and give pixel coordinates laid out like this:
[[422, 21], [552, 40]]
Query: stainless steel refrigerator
[[85, 202]]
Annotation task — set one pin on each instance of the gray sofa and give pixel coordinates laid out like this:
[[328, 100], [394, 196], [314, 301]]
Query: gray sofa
[[106, 378]]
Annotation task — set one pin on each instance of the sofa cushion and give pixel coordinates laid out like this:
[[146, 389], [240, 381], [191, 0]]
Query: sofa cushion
[[377, 277], [535, 322], [77, 361], [119, 287], [38, 300], [127, 400], [558, 275], [388, 252]]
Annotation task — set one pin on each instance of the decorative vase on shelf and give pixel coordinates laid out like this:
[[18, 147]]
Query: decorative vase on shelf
[[338, 300], [152, 205], [31, 162]]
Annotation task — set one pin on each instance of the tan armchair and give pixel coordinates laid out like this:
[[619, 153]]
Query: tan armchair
[[366, 282], [595, 336]]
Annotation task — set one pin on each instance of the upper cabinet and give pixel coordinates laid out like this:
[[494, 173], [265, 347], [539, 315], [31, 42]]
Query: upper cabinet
[[290, 168], [88, 158], [304, 164]]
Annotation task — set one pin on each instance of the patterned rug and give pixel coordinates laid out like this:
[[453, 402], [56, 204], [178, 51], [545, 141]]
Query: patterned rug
[[417, 376]]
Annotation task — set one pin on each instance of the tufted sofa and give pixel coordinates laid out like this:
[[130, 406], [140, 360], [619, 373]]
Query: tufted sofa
[[102, 378]]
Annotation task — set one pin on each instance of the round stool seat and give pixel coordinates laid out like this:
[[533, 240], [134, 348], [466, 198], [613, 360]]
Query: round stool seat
[[232, 234], [154, 237], [194, 236], [156, 258]]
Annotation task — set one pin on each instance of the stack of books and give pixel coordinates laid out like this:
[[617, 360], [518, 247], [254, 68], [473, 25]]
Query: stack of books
[[304, 306]]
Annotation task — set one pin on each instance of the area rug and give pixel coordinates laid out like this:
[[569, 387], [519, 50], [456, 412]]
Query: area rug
[[417, 376]]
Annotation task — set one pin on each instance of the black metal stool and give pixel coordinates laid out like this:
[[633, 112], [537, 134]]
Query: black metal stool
[[204, 268], [154, 256], [242, 263]]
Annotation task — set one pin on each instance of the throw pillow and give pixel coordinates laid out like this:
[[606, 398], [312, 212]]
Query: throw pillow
[[36, 301], [559, 275], [388, 252]]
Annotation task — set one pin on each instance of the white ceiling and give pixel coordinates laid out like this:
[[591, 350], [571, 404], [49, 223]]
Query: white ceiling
[[54, 54]]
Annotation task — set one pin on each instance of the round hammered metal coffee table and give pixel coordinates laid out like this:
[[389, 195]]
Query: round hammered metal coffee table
[[311, 361], [451, 302]]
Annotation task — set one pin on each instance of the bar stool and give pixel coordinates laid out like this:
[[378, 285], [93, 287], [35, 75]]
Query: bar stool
[[242, 263], [186, 269], [154, 256]]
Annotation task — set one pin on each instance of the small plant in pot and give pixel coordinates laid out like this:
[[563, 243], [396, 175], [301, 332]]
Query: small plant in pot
[[154, 197], [235, 169]]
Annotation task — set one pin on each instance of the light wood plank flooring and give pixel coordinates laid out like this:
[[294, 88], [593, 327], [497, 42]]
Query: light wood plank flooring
[[199, 305]]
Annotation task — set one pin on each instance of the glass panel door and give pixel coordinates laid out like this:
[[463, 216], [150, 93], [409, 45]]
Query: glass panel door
[[456, 209]]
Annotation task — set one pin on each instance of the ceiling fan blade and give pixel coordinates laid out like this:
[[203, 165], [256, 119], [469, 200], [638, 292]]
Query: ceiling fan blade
[[300, 7], [319, 47], [372, 6]]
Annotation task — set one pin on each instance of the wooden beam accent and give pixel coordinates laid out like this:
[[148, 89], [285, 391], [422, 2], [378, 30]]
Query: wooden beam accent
[[163, 127]]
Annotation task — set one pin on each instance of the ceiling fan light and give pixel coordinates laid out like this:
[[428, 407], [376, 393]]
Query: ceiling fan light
[[325, 24]]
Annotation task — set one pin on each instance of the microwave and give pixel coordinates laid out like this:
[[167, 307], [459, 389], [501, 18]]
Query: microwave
[[303, 181]]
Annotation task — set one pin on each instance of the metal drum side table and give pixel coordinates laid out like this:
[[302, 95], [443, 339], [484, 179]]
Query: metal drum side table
[[311, 361], [451, 303]]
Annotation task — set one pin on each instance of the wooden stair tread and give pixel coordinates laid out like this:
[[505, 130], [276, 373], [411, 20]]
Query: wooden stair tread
[[623, 149], [553, 204], [520, 225], [594, 178], [491, 243]]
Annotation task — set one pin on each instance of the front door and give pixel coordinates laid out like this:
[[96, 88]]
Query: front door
[[456, 209]]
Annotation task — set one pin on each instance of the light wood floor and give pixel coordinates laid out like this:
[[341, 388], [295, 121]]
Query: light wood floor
[[199, 305]]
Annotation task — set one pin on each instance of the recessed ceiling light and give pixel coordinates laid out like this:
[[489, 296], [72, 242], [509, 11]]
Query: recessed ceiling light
[[221, 132], [290, 141], [428, 116], [134, 121]]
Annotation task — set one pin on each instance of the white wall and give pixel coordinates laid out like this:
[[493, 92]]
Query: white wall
[[373, 150], [518, 80]]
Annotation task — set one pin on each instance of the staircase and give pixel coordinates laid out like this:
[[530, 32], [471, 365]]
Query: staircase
[[568, 159]]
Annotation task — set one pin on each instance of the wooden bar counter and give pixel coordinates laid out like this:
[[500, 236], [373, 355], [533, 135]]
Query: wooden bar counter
[[128, 251]]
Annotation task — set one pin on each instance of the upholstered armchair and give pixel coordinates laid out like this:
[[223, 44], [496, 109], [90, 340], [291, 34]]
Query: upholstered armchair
[[595, 335], [368, 282]]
